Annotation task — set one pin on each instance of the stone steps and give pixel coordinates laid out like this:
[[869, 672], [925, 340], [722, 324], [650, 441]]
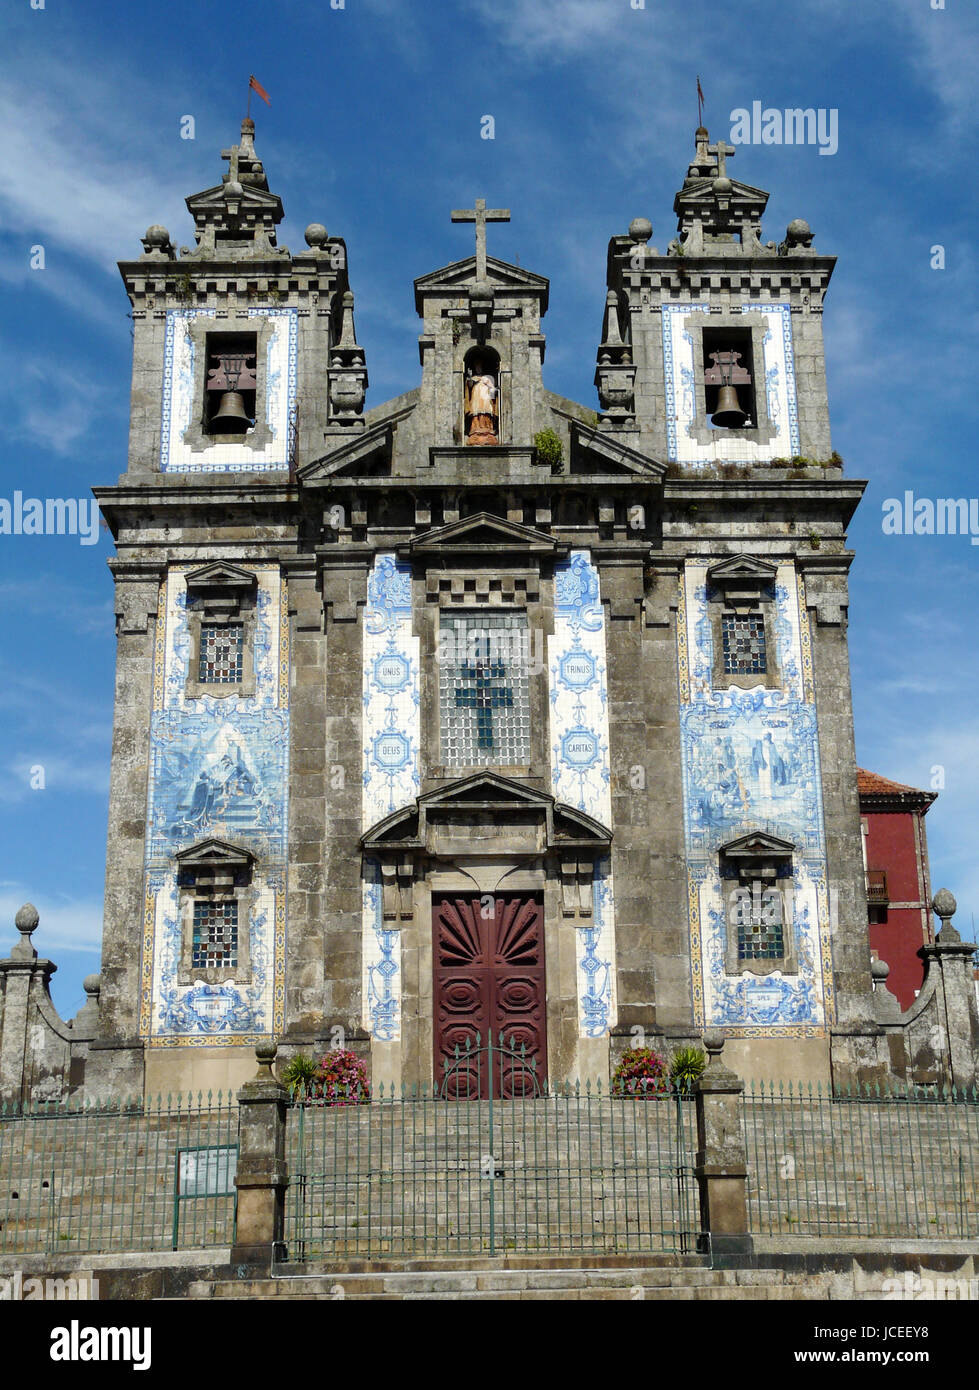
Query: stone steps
[[635, 1283]]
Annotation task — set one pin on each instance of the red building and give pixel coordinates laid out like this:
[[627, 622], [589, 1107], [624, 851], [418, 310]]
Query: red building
[[895, 851]]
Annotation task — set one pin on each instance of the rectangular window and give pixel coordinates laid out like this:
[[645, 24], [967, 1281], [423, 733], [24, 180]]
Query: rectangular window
[[215, 933], [221, 653], [760, 934], [743, 639], [484, 689]]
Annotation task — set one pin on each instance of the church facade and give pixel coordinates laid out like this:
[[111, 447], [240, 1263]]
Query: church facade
[[481, 709]]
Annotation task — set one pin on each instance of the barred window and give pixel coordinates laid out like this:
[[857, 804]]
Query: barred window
[[484, 689], [215, 933], [221, 653], [760, 933], [743, 638]]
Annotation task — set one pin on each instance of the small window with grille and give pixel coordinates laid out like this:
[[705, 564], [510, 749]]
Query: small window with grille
[[215, 941], [221, 653], [761, 934], [743, 644]]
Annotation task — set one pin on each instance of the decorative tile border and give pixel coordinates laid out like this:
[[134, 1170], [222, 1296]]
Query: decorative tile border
[[580, 769], [381, 983], [179, 375], [750, 759], [780, 389], [236, 749]]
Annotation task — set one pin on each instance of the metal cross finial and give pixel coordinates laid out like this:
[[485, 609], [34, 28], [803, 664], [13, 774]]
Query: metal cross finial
[[721, 151], [481, 215]]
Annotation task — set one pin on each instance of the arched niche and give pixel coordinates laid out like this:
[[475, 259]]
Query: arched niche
[[482, 402]]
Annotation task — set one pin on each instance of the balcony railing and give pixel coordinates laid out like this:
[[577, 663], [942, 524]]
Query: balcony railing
[[877, 887]]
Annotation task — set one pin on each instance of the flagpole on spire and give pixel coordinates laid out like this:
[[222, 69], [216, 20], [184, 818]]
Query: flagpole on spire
[[700, 101]]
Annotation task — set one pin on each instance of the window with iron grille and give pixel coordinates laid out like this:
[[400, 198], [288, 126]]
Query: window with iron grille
[[743, 640], [484, 689], [221, 651], [760, 932], [215, 933]]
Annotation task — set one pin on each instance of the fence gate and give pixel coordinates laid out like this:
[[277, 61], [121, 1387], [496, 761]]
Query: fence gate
[[546, 1169]]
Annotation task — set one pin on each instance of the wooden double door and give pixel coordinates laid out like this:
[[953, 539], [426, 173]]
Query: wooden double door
[[489, 979]]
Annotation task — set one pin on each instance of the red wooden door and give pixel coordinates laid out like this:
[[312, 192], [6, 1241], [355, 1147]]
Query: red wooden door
[[489, 976]]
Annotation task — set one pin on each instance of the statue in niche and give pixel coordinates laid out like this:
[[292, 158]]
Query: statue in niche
[[482, 403]]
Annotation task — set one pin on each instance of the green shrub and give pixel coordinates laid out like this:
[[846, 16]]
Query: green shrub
[[550, 450]]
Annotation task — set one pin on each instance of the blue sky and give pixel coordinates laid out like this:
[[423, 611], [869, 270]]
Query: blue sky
[[374, 129]]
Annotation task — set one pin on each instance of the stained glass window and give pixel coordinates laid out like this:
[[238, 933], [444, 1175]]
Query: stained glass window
[[743, 637], [484, 689], [221, 653], [215, 933]]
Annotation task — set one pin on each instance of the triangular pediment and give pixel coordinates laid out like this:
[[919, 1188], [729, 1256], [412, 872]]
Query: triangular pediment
[[214, 852], [757, 844], [487, 793], [701, 192], [599, 451], [211, 199], [482, 532], [497, 272], [743, 568], [221, 575]]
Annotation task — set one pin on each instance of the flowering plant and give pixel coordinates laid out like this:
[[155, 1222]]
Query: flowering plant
[[340, 1078], [641, 1072]]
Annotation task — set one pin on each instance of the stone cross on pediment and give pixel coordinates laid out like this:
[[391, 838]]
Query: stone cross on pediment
[[721, 151], [481, 215]]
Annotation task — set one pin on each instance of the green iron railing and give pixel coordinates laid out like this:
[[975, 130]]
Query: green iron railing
[[139, 1175], [863, 1163], [461, 1170]]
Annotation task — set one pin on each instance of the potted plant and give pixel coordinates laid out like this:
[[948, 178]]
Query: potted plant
[[340, 1078], [641, 1072]]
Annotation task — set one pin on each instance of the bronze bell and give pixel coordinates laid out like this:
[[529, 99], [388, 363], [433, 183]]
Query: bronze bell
[[230, 416], [728, 414]]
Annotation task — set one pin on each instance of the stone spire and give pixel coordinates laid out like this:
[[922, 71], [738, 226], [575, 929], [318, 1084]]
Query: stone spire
[[716, 215], [236, 220]]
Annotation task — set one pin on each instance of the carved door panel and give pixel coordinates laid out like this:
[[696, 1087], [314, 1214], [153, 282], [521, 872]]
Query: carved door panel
[[489, 978]]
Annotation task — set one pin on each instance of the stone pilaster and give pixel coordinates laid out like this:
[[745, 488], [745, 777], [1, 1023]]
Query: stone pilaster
[[262, 1173], [721, 1164]]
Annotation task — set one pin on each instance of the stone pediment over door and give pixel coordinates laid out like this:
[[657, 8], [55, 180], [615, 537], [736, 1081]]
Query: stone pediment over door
[[489, 819]]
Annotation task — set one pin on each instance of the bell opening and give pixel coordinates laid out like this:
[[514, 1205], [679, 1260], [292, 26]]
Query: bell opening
[[729, 391], [230, 389]]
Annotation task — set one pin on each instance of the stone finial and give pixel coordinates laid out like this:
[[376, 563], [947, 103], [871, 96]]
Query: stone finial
[[640, 230], [714, 1046], [26, 923], [156, 242], [798, 238], [265, 1053], [316, 236], [879, 971], [944, 904], [92, 985]]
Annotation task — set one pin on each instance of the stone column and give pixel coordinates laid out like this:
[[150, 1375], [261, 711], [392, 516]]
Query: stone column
[[262, 1174], [721, 1163]]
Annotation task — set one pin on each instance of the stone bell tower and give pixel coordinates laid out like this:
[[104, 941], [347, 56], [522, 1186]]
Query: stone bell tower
[[712, 362]]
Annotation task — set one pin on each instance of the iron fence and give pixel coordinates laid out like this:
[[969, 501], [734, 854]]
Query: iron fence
[[151, 1174], [861, 1163], [567, 1168]]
